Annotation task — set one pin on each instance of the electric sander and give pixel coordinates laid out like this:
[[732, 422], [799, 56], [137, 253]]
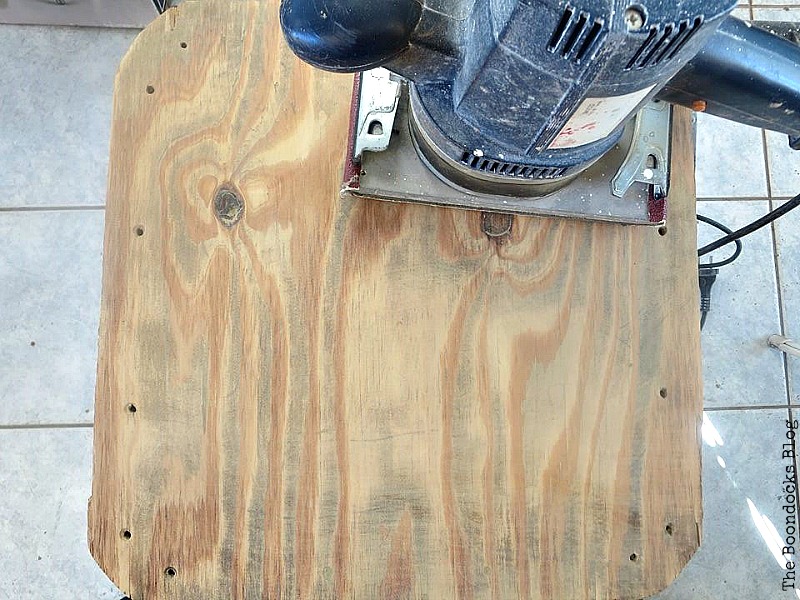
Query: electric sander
[[538, 107]]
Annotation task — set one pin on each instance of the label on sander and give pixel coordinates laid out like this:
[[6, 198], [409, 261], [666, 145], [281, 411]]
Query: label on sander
[[597, 118]]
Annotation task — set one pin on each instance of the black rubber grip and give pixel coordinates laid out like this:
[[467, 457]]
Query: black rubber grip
[[349, 35], [744, 74]]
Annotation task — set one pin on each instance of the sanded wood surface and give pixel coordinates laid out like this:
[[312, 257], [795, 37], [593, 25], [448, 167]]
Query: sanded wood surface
[[326, 398]]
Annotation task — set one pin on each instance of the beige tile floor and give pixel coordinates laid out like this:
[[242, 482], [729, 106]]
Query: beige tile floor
[[54, 116]]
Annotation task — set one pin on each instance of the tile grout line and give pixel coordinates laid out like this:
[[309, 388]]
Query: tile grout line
[[29, 426], [712, 409], [87, 207], [775, 257], [765, 150], [781, 307], [741, 198]]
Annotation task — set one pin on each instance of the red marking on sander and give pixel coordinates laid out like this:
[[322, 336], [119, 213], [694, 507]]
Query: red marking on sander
[[352, 169], [656, 206]]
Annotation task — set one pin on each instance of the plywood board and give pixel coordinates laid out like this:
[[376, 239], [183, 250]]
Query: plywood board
[[301, 396]]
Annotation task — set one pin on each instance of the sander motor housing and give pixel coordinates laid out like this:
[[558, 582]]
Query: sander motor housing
[[499, 84], [517, 98], [543, 83]]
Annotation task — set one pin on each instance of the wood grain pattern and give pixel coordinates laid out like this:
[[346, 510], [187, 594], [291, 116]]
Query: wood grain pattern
[[351, 399]]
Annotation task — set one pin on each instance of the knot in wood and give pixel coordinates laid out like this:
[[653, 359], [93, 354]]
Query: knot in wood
[[228, 206]]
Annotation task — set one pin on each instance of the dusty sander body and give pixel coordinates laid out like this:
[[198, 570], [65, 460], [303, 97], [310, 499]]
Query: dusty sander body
[[538, 106]]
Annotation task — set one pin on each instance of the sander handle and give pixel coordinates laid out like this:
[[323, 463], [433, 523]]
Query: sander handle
[[745, 74], [347, 36]]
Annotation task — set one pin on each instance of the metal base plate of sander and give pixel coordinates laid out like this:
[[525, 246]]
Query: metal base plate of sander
[[628, 185]]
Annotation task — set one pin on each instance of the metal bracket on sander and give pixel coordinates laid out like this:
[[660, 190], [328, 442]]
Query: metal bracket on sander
[[629, 185]]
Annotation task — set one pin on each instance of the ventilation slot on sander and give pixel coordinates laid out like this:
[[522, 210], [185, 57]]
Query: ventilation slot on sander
[[509, 169], [577, 36], [664, 42]]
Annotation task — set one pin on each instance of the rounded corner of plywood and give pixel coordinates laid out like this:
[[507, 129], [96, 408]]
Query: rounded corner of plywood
[[95, 544], [671, 578], [153, 34]]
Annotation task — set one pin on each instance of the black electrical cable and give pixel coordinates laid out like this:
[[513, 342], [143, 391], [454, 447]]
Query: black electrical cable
[[708, 271], [724, 229], [754, 226], [707, 278]]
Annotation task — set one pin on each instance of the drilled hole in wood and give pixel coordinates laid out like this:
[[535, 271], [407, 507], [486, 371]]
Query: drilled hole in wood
[[170, 572], [150, 89], [634, 557], [662, 231], [131, 408], [126, 535], [668, 528], [184, 45], [663, 392], [138, 230]]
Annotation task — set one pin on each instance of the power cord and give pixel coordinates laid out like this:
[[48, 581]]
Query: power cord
[[708, 272], [707, 278], [729, 232], [753, 227]]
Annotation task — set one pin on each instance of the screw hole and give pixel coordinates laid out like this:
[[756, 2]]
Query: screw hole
[[663, 392], [33, 344], [668, 528], [375, 128], [634, 557], [138, 230], [131, 408], [184, 45], [126, 535], [635, 18], [662, 231], [150, 89], [170, 572]]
